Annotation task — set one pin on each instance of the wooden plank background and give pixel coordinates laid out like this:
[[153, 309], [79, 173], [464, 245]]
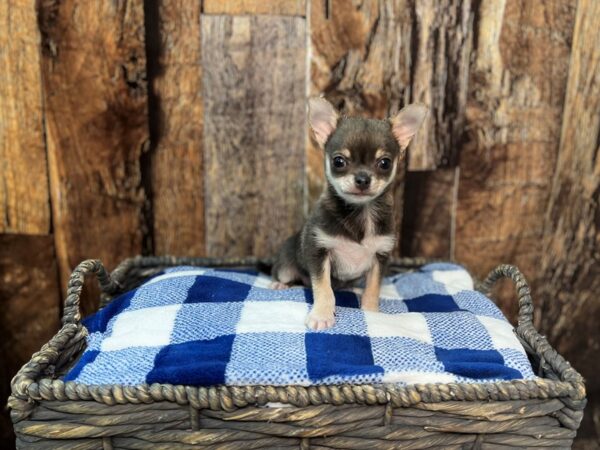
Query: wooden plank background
[[569, 288], [254, 124], [173, 169], [514, 108], [178, 127], [96, 123], [24, 205]]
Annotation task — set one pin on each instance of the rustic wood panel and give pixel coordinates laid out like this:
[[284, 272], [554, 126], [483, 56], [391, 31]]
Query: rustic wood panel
[[570, 286], [428, 219], [274, 7], [94, 72], [176, 120], [441, 41], [29, 306], [516, 90], [254, 130], [24, 196], [359, 55]]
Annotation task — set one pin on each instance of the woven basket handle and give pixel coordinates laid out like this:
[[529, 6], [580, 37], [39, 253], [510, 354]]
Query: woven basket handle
[[72, 313], [521, 285]]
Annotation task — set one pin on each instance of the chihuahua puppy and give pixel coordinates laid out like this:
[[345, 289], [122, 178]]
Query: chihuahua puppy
[[350, 233]]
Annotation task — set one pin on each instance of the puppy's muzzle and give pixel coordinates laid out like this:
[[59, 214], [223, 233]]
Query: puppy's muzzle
[[362, 181]]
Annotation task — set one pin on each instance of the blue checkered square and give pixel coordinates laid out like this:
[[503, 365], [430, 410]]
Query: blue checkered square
[[469, 363], [432, 303], [211, 289], [337, 356], [179, 361]]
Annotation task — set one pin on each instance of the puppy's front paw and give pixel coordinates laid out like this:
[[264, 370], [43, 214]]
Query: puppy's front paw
[[369, 302], [278, 285], [372, 308], [320, 319]]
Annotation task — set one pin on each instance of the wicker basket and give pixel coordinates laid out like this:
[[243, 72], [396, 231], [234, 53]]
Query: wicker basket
[[49, 413]]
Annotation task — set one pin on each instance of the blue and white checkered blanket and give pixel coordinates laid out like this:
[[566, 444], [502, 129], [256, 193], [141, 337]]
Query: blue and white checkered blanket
[[202, 326]]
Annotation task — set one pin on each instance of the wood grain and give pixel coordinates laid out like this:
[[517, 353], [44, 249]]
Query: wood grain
[[359, 55], [94, 72], [429, 210], [516, 90], [254, 130], [441, 41], [176, 119], [239, 7], [29, 305], [24, 196], [570, 284]]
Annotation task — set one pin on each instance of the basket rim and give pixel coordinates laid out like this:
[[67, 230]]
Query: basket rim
[[33, 383]]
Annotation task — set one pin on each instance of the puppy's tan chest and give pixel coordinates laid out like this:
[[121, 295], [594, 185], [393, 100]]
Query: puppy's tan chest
[[351, 259]]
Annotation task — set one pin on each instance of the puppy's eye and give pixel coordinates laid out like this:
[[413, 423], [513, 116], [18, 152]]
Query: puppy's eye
[[384, 164], [339, 162]]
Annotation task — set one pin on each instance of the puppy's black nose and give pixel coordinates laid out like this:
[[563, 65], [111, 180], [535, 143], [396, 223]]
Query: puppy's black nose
[[362, 180]]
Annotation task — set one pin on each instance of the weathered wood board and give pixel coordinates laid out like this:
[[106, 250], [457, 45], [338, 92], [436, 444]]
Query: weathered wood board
[[570, 284], [176, 121], [429, 210], [94, 72], [239, 7], [29, 307], [24, 196], [516, 91], [254, 131], [441, 40]]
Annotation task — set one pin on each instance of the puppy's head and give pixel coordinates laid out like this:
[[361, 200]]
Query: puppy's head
[[361, 155]]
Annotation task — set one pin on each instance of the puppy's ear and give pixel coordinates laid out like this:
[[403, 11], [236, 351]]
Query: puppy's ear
[[322, 117], [406, 123]]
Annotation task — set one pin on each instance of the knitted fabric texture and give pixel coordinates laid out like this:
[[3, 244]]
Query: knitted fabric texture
[[203, 326]]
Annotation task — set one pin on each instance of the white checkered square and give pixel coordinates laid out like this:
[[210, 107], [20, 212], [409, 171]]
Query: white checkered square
[[389, 290], [272, 317], [176, 274], [501, 332], [148, 327], [409, 325], [453, 280], [417, 377]]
